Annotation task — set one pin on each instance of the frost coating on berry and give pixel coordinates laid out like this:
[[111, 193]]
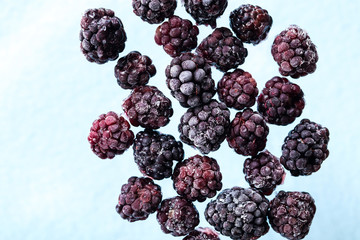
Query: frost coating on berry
[[154, 11], [102, 35], [110, 135], [202, 234]]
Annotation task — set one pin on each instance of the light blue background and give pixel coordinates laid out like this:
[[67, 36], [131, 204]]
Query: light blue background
[[53, 187]]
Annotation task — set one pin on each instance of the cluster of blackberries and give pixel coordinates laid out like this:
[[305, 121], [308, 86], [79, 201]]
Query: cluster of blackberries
[[240, 213]]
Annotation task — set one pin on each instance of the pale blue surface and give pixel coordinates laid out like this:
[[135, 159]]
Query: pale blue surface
[[53, 187]]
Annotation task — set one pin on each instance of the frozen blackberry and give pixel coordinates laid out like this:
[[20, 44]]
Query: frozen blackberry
[[205, 126], [250, 23], [110, 135], [202, 234], [237, 89], [177, 216], [176, 36], [197, 178], [205, 11], [248, 133], [154, 11], [294, 52], [148, 107], [281, 101], [264, 172], [239, 213], [305, 148], [102, 35], [154, 153], [134, 70], [139, 197], [291, 214], [189, 79], [222, 49]]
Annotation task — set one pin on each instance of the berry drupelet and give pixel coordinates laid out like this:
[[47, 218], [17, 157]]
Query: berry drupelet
[[239, 213], [291, 214], [134, 70], [176, 35], [305, 148], [248, 133], [250, 23], [148, 107], [202, 234], [294, 52], [110, 135], [139, 197], [281, 101], [205, 11], [237, 89], [205, 127], [197, 178], [264, 172], [177, 216], [154, 153], [102, 35], [154, 11], [189, 79], [222, 49]]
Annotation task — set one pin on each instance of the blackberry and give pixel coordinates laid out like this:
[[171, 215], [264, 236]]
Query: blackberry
[[197, 178], [248, 133], [110, 135], [202, 234], [239, 213], [222, 49], [176, 36], [102, 35], [154, 11], [281, 101], [154, 153], [189, 79], [250, 23], [305, 148], [237, 89], [148, 107], [205, 126], [139, 197], [177, 216], [205, 11], [264, 172], [291, 214], [134, 70], [294, 52]]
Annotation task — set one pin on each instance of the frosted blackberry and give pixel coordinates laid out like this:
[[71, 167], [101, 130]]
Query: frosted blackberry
[[148, 107], [154, 11], [305, 148], [154, 153], [176, 35], [205, 11], [248, 133], [281, 101], [294, 52], [110, 135], [102, 35], [139, 197], [264, 172], [189, 79], [291, 214], [222, 49], [202, 234], [239, 213], [134, 70], [197, 178], [250, 23], [205, 126], [177, 216], [237, 89]]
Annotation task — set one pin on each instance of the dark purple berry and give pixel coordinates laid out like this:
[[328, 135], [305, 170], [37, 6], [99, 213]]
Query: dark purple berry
[[202, 234], [154, 11]]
